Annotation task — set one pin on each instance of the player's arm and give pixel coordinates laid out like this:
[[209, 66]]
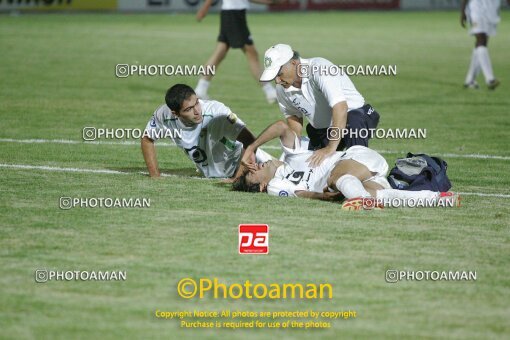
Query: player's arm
[[296, 124], [275, 130], [202, 12], [246, 137], [149, 154], [463, 18], [339, 122], [323, 196]]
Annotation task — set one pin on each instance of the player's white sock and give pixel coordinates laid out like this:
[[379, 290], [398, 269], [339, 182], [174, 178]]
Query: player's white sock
[[202, 87], [351, 187], [270, 92], [474, 68], [406, 194], [485, 62]]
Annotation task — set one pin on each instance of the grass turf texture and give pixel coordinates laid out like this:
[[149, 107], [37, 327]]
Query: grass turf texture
[[57, 76]]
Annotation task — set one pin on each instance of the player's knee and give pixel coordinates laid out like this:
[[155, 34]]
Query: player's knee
[[481, 40]]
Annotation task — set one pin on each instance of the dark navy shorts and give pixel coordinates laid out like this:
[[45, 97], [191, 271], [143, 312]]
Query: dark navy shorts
[[363, 118]]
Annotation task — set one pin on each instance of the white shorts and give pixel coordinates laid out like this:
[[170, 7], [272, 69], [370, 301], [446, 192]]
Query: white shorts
[[483, 17], [482, 25], [371, 159]]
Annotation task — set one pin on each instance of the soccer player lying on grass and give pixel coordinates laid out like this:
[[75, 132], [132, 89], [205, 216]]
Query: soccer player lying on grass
[[356, 174], [211, 135]]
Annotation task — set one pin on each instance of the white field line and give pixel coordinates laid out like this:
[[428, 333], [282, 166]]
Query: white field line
[[115, 172], [269, 147], [92, 171]]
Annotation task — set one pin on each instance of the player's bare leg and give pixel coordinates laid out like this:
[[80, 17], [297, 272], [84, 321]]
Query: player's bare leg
[[347, 177], [351, 178], [216, 58], [254, 63]]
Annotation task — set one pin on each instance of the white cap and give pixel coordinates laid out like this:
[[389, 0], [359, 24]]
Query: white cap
[[274, 58]]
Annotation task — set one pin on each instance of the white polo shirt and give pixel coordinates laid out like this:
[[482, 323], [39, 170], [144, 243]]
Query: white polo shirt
[[319, 92]]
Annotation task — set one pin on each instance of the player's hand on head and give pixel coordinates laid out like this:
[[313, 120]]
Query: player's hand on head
[[252, 167], [241, 171], [319, 156], [249, 159]]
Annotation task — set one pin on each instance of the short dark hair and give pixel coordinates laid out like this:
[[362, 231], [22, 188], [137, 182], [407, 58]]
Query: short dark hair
[[295, 55], [240, 184], [176, 95]]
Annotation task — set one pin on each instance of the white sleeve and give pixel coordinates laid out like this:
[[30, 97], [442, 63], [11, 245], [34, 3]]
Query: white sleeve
[[330, 86], [282, 187], [154, 126]]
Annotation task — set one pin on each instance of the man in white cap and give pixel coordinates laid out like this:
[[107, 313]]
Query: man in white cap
[[329, 100]]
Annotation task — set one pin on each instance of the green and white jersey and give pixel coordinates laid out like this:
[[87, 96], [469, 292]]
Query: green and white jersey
[[211, 145]]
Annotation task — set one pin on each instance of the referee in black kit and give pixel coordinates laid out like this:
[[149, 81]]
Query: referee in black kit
[[234, 33]]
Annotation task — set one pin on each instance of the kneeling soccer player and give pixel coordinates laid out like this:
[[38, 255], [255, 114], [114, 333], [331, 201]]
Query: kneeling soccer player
[[210, 134], [357, 173]]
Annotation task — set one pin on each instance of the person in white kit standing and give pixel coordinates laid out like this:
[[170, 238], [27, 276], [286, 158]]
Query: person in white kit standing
[[234, 33], [483, 17], [212, 136], [329, 100]]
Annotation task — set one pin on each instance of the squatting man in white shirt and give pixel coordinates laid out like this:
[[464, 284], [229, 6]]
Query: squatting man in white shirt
[[329, 101], [357, 174], [212, 136]]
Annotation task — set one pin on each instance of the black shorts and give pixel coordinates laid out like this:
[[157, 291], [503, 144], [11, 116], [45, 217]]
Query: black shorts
[[363, 118], [234, 29]]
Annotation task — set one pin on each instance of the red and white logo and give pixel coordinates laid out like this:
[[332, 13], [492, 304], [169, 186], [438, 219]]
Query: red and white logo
[[253, 239]]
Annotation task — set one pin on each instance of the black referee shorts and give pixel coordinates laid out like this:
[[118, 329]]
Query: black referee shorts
[[363, 118], [234, 29]]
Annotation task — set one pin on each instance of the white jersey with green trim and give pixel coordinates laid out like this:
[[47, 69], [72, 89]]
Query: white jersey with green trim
[[211, 145]]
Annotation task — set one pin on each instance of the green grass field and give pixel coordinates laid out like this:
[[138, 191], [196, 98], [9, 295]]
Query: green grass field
[[57, 76]]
